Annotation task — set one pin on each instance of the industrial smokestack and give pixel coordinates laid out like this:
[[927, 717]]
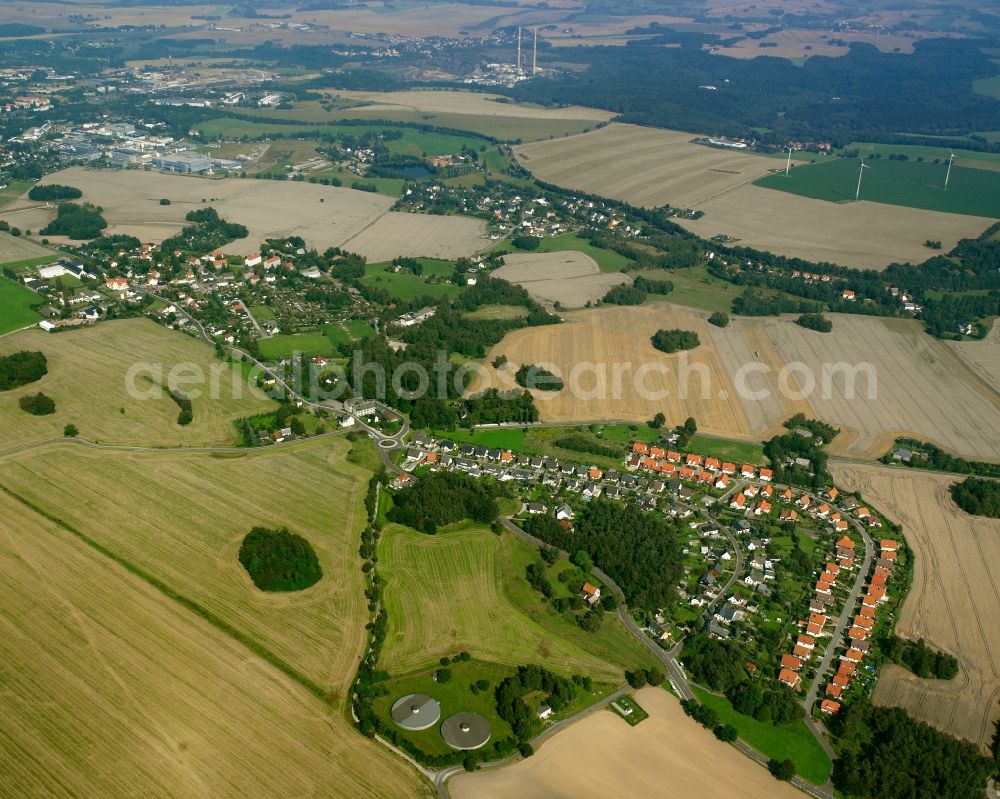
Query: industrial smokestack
[[534, 54], [518, 49]]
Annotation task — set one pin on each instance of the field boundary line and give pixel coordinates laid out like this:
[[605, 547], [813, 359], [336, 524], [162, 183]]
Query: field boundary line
[[204, 613]]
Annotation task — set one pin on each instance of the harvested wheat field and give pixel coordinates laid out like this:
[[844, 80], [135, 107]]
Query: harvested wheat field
[[859, 234], [596, 342], [446, 593], [570, 278], [923, 388], [325, 216], [954, 601], [643, 166], [89, 379], [413, 235], [181, 516], [112, 689], [667, 755], [19, 248], [983, 357]]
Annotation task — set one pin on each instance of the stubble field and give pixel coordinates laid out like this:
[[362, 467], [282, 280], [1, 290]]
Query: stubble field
[[983, 357], [954, 601], [642, 166], [921, 387], [117, 685], [570, 278], [601, 755], [89, 380], [416, 235], [860, 234]]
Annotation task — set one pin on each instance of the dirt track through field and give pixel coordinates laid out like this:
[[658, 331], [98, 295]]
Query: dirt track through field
[[954, 601], [667, 755]]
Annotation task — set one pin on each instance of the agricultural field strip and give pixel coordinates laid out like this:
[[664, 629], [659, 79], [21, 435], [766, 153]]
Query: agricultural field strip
[[186, 516], [92, 704], [954, 598]]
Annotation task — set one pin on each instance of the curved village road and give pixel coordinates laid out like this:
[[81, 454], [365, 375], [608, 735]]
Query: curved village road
[[674, 671]]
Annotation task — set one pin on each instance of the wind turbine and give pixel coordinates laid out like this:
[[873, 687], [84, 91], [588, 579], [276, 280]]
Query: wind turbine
[[948, 173], [788, 163], [864, 166]]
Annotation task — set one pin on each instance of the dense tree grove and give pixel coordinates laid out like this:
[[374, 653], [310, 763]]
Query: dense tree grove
[[445, 497], [815, 321], [20, 368], [784, 450], [54, 191], [674, 340], [208, 232], [719, 319], [651, 286], [879, 94], [37, 404], [76, 222], [978, 496], [510, 693], [278, 560], [640, 551], [897, 757], [536, 377], [186, 415], [624, 295], [919, 658], [494, 406]]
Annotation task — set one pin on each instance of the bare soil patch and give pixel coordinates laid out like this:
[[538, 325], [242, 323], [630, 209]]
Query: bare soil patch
[[954, 601], [601, 755], [570, 278]]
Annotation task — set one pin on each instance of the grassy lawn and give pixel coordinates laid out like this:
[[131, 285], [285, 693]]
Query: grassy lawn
[[262, 313], [285, 346], [404, 285], [13, 190], [724, 449], [607, 260], [15, 306], [908, 183], [792, 741], [627, 708], [455, 696], [511, 438], [693, 287], [490, 312], [465, 589], [626, 433]]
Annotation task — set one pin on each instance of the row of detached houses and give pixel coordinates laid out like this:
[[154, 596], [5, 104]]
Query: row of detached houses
[[858, 638], [820, 612]]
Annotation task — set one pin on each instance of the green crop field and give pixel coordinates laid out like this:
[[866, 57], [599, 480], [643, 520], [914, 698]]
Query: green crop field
[[791, 741], [908, 183], [284, 346], [724, 449], [693, 287], [511, 438], [404, 285], [490, 312], [464, 589], [928, 153], [15, 306]]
